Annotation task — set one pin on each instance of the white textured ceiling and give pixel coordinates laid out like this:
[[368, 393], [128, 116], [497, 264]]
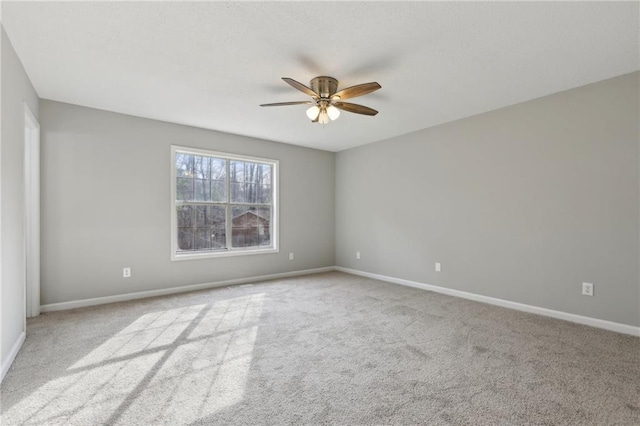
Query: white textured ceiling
[[210, 64]]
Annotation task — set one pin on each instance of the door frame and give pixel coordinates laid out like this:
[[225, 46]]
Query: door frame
[[31, 213]]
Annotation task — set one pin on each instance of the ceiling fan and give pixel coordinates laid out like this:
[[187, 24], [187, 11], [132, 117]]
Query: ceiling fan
[[327, 101]]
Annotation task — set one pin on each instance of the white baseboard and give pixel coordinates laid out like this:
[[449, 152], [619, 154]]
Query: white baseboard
[[6, 364], [593, 322], [173, 290]]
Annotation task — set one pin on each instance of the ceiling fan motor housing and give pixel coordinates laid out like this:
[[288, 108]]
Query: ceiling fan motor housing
[[324, 86]]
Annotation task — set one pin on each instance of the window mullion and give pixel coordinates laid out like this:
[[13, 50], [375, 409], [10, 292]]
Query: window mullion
[[252, 204], [229, 228], [199, 203]]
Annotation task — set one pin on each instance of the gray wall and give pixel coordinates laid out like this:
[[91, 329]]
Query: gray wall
[[16, 91], [106, 205], [523, 203]]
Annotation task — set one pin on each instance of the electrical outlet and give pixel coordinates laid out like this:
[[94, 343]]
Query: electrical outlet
[[587, 289], [358, 255], [291, 256], [126, 272], [438, 267]]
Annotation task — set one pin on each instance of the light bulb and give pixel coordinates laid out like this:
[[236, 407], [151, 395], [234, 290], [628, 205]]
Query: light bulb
[[313, 112], [323, 118], [333, 112]]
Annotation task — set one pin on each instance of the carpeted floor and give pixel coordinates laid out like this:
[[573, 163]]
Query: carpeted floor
[[322, 349]]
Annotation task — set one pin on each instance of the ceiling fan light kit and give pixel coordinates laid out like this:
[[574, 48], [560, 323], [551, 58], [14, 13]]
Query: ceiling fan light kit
[[323, 114], [333, 112], [313, 112], [327, 101]]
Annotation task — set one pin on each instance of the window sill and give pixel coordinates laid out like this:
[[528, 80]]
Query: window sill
[[226, 253]]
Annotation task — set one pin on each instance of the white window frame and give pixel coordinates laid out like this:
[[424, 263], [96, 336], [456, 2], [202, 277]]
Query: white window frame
[[240, 251]]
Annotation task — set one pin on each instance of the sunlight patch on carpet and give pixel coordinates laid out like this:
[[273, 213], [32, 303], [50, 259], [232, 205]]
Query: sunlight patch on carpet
[[150, 331], [207, 373], [87, 397]]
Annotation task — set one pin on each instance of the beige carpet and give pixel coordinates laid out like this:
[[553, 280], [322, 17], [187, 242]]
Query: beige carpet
[[322, 349]]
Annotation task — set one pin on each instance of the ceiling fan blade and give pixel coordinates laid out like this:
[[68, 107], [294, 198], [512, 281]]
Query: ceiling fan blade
[[359, 90], [301, 87], [358, 109], [289, 103]]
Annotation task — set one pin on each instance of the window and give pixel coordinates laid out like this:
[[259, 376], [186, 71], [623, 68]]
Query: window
[[222, 204]]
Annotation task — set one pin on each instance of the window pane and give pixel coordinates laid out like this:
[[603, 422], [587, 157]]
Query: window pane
[[184, 189], [218, 180], [210, 216], [218, 236], [265, 175], [202, 239], [202, 190], [219, 191], [218, 169], [251, 193], [251, 226], [185, 216], [184, 165], [264, 194], [210, 238], [185, 239], [202, 167], [236, 168], [237, 192]]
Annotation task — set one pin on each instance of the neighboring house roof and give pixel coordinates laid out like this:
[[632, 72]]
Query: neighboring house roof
[[253, 213]]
